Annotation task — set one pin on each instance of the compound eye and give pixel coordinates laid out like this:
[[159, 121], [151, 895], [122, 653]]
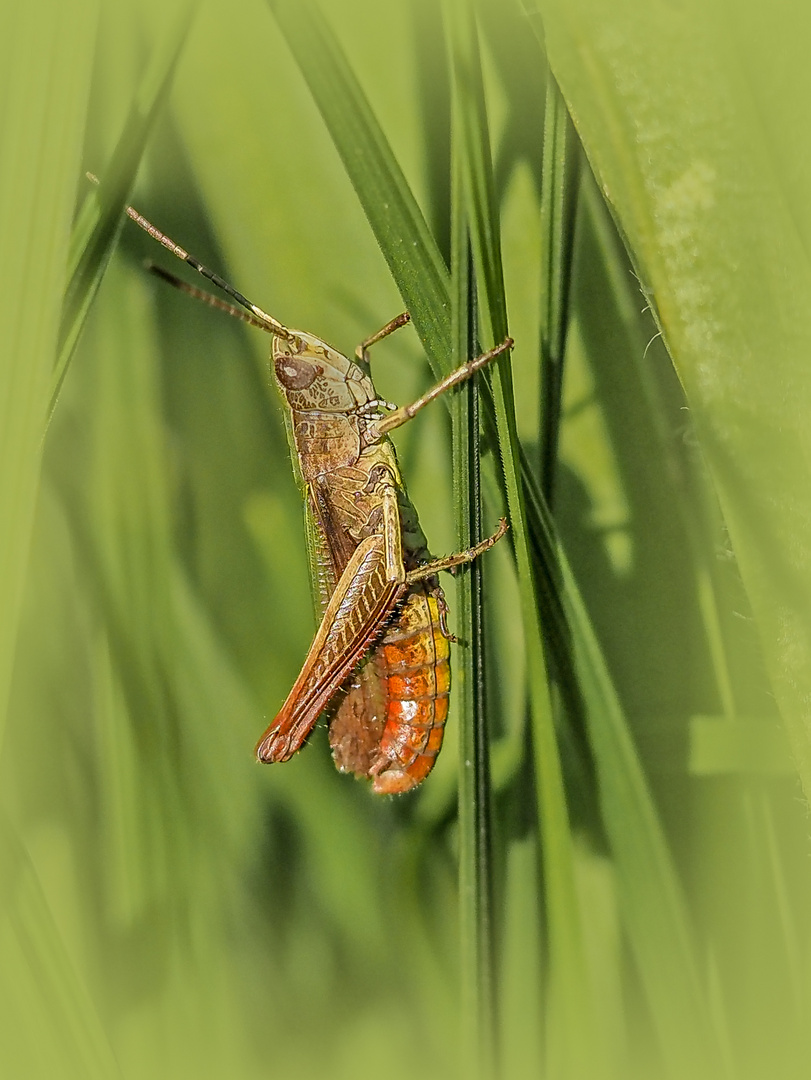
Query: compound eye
[[295, 373]]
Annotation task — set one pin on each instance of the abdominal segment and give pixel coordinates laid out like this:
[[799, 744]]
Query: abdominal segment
[[390, 723]]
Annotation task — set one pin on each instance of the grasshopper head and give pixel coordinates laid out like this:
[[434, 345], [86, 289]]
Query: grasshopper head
[[314, 377]]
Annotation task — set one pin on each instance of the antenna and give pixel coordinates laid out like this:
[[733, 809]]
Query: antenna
[[260, 317]]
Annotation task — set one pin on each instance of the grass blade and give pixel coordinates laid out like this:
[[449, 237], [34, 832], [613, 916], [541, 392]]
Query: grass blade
[[38, 973], [40, 145], [567, 1053], [655, 915], [101, 217], [395, 218], [475, 818], [558, 202]]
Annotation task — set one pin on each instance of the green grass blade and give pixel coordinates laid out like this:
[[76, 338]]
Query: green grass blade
[[43, 90], [558, 203], [475, 813], [395, 218], [521, 998], [101, 219], [704, 530], [654, 912], [39, 978], [568, 1051]]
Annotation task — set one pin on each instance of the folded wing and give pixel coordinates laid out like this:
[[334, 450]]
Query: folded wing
[[357, 611]]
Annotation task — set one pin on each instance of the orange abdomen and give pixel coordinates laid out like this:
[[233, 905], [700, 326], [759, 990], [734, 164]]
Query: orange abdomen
[[412, 662]]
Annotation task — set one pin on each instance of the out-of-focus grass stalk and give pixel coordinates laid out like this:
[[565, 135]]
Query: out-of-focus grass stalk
[[100, 219], [46, 54]]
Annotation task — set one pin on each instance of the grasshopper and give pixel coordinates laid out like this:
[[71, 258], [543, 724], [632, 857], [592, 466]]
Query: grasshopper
[[379, 661]]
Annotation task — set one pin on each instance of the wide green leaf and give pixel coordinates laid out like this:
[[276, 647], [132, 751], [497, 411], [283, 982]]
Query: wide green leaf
[[693, 119]]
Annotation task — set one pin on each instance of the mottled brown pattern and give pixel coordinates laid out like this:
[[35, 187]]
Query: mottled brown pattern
[[357, 719]]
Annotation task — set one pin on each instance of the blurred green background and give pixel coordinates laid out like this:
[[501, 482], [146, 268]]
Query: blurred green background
[[167, 907]]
